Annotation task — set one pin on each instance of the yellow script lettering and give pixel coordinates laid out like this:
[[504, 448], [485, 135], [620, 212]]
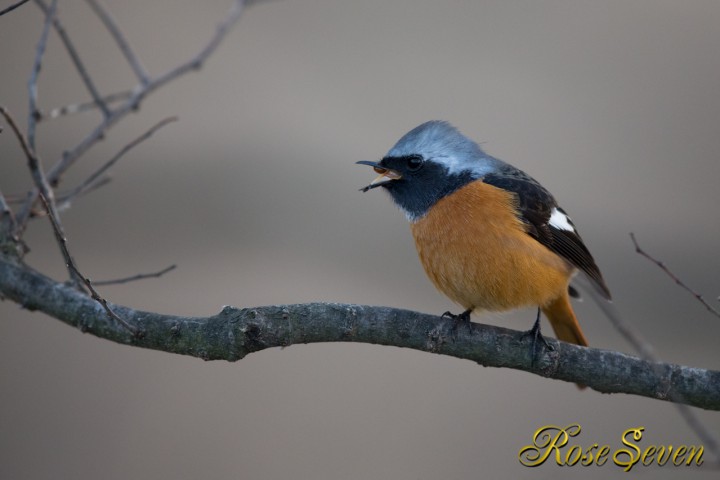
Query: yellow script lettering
[[624, 457], [547, 440]]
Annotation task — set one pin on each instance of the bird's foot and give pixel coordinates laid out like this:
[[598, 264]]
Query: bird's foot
[[459, 319], [536, 336]]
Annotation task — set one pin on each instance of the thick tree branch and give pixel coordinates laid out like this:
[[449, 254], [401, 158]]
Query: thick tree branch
[[234, 333]]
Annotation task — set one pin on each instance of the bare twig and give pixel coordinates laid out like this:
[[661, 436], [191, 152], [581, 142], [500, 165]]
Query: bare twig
[[62, 241], [75, 56], [25, 145], [64, 200], [91, 180], [47, 199], [69, 157], [220, 32], [32, 83], [139, 276], [41, 183], [674, 277], [12, 7], [122, 43], [139, 94]]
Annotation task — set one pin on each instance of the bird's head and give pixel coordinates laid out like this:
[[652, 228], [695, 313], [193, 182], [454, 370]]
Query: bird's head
[[428, 163]]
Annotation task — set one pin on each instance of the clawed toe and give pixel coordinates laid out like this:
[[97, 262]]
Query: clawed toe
[[459, 319], [536, 337]]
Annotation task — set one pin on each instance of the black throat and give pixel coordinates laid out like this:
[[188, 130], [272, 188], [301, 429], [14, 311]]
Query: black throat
[[418, 192]]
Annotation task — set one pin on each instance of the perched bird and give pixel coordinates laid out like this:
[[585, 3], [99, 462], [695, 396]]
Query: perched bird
[[488, 235]]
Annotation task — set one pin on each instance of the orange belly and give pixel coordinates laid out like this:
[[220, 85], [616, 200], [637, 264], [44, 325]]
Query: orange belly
[[477, 252]]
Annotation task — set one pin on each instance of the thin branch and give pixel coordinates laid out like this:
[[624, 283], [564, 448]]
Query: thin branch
[[91, 180], [141, 92], [122, 43], [220, 32], [41, 184], [674, 277], [62, 241], [64, 200], [35, 72], [133, 103], [25, 145], [75, 56], [12, 7], [139, 276], [46, 197], [234, 333]]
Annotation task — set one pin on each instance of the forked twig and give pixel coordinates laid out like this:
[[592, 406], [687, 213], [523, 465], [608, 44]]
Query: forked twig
[[132, 103], [65, 199], [75, 56], [46, 197], [674, 277], [90, 182], [122, 43], [62, 199], [69, 157], [40, 180], [62, 241]]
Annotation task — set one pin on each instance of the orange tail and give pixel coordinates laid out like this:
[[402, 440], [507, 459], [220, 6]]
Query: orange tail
[[563, 320]]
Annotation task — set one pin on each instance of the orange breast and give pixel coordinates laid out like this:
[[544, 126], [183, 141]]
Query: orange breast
[[476, 251]]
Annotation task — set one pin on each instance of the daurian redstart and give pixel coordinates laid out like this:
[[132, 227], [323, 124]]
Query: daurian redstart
[[489, 236]]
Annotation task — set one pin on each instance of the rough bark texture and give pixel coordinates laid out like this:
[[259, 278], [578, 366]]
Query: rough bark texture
[[235, 332]]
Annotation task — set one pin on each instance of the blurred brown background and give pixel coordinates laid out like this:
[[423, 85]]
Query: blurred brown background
[[613, 105]]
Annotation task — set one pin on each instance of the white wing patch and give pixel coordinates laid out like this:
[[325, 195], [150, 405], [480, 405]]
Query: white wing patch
[[561, 221]]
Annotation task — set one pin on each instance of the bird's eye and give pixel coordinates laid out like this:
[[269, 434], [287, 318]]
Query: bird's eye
[[415, 162]]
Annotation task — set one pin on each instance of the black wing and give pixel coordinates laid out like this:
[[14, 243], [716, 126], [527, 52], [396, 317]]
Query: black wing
[[536, 205]]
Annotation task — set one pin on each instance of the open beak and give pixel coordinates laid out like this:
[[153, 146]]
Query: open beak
[[385, 175]]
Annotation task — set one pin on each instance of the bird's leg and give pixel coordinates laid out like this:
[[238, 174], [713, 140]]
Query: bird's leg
[[462, 318], [536, 335]]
